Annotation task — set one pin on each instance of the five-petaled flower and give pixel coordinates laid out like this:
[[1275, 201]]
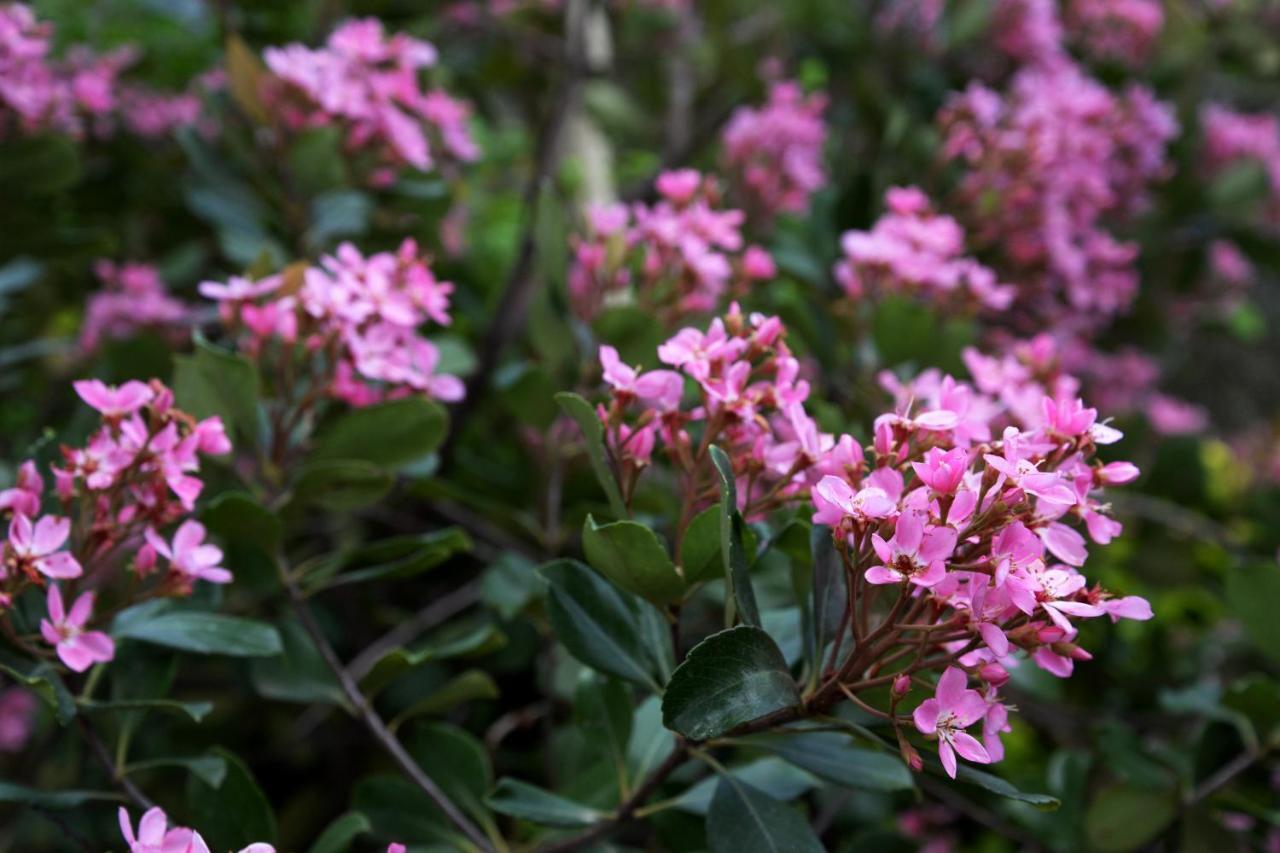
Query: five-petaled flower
[[78, 648], [36, 548], [953, 709], [190, 557]]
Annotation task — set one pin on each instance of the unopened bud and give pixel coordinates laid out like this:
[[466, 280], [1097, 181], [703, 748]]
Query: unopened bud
[[910, 755], [145, 561], [902, 685], [994, 674]]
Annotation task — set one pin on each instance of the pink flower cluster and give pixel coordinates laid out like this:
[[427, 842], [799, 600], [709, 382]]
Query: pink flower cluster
[[133, 297], [1047, 163], [681, 255], [138, 472], [914, 250], [357, 320], [750, 402], [79, 94], [969, 521], [773, 155], [1120, 30], [368, 84], [1232, 137]]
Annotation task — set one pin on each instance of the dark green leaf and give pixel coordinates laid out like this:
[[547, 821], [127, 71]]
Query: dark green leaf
[[593, 436], [395, 558], [630, 555], [467, 687], [831, 756], [196, 711], [996, 785], [458, 762], [478, 640], [528, 802], [399, 809], [1251, 593], [234, 814], [773, 776], [342, 484], [603, 710], [202, 633], [732, 545], [298, 674], [728, 679], [339, 834], [237, 517], [11, 793], [1124, 817], [387, 434], [743, 819], [212, 381], [44, 681], [37, 165], [597, 622], [829, 597], [210, 769]]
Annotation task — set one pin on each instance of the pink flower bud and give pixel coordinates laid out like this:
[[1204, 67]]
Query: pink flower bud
[[902, 685], [994, 674]]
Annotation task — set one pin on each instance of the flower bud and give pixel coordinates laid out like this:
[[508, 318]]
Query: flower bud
[[994, 674], [902, 685], [145, 562]]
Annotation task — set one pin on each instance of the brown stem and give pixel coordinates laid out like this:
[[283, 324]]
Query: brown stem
[[678, 756], [103, 755], [372, 720]]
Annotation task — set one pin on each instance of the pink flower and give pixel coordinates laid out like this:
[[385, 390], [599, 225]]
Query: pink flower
[[952, 710], [914, 554], [17, 718], [679, 186], [37, 547], [78, 648], [24, 497], [154, 836], [114, 402], [659, 388], [189, 556], [835, 500], [395, 848], [1129, 607], [942, 470]]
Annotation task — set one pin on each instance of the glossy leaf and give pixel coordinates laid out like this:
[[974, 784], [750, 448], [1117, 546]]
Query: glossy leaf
[[833, 757], [593, 434], [69, 799], [732, 541], [477, 640], [744, 819], [597, 622], [339, 834], [210, 769], [770, 775], [528, 802], [630, 555], [728, 679], [388, 434], [342, 484], [466, 687], [212, 381], [202, 633], [195, 711], [233, 814]]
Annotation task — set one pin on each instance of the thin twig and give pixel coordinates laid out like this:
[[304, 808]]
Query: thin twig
[[372, 720], [678, 756], [103, 755], [442, 609]]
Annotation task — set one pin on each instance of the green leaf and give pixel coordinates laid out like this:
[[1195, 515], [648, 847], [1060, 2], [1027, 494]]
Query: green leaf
[[338, 213], [210, 769], [650, 742], [387, 434], [593, 435], [458, 762], [731, 540], [196, 711], [398, 809], [831, 756], [316, 160], [1124, 817], [238, 517], [44, 681], [480, 639], [996, 785], [342, 485], [700, 551], [395, 558], [773, 776], [467, 687], [728, 679], [212, 381], [234, 814], [630, 555], [339, 834], [829, 596], [603, 710], [598, 623], [509, 584], [11, 793], [298, 674], [202, 633], [38, 165], [743, 819], [528, 802], [1251, 594]]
